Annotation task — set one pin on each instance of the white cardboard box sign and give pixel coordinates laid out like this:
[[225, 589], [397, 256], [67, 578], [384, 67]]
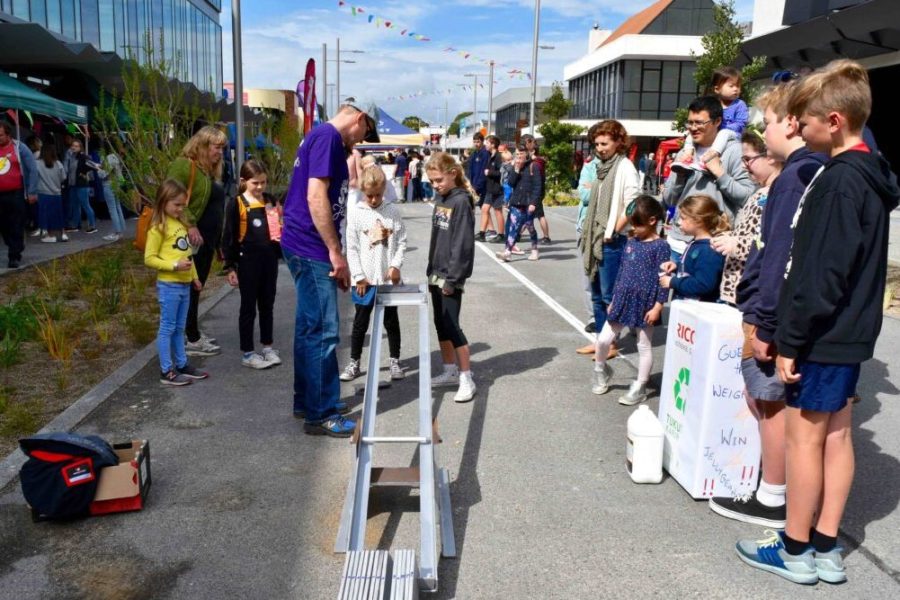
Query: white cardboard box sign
[[712, 439]]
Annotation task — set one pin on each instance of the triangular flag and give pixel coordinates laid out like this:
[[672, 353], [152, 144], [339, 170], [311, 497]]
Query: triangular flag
[[28, 116], [371, 17], [353, 10], [387, 24], [341, 2], [403, 32]]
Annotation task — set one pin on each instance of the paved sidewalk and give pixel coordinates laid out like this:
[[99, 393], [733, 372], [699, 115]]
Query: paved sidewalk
[[243, 504]]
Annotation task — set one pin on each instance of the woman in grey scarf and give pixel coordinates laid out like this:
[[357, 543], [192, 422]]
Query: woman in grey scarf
[[615, 185]]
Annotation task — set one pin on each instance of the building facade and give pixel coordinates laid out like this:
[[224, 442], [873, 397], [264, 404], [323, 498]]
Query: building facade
[[184, 32], [512, 108], [643, 71]]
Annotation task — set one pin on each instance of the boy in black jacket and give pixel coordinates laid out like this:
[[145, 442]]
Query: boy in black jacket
[[829, 316]]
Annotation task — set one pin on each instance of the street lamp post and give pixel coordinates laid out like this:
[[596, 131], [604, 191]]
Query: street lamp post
[[490, 97], [475, 87], [534, 56], [339, 61], [324, 80], [238, 84]]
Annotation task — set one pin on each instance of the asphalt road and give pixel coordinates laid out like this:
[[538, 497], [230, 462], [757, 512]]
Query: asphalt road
[[243, 504]]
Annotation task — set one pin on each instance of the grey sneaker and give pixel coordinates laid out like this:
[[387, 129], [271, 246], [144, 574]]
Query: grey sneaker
[[201, 348], [173, 377], [446, 379], [600, 380], [769, 555], [255, 361], [271, 356], [209, 339], [351, 372], [396, 369], [830, 566], [637, 393]]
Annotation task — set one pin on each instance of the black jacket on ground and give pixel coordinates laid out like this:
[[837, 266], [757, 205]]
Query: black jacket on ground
[[526, 185], [451, 254], [830, 305]]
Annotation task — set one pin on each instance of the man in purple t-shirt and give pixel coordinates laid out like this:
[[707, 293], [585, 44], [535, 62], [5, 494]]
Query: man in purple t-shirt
[[311, 240]]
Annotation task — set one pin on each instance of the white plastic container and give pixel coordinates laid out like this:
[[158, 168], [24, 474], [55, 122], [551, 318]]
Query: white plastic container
[[644, 454]]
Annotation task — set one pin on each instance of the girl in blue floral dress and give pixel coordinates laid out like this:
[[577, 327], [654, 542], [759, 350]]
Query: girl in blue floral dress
[[638, 299]]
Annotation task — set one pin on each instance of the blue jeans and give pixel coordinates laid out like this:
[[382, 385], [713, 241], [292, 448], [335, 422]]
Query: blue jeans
[[173, 308], [317, 388], [114, 207], [79, 199], [605, 279]]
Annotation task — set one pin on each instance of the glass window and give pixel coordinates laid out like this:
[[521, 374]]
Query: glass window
[[651, 80], [670, 76], [20, 9], [120, 28], [688, 85], [107, 25], [685, 99], [630, 100], [668, 102], [133, 41], [77, 7], [632, 76], [650, 101], [39, 12], [54, 22], [90, 22], [68, 18]]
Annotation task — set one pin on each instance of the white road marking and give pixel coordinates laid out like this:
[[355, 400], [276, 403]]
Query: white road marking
[[547, 299]]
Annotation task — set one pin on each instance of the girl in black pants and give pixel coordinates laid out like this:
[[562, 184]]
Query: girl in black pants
[[250, 245]]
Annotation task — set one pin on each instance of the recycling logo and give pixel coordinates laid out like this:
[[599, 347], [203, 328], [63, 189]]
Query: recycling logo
[[680, 389]]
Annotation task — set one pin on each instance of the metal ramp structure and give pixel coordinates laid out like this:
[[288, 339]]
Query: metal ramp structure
[[364, 570]]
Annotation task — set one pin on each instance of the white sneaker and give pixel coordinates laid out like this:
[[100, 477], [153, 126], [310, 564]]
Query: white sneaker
[[600, 380], [637, 393], [396, 369], [351, 372], [255, 361], [466, 390], [37, 233], [64, 238], [113, 237], [207, 338], [503, 255], [271, 356], [448, 378], [49, 239], [533, 255], [201, 348]]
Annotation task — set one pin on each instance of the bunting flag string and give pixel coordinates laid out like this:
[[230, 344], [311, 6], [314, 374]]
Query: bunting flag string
[[386, 23]]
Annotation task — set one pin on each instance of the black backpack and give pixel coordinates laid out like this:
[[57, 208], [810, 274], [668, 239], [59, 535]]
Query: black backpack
[[60, 477]]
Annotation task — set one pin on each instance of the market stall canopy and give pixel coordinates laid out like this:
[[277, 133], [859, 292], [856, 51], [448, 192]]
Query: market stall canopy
[[16, 95], [394, 134]]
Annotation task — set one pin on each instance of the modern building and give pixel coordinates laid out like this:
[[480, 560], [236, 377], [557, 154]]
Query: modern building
[[283, 101], [643, 71], [512, 108], [89, 35], [799, 35]]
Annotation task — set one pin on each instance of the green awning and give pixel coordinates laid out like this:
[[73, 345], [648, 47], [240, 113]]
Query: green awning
[[16, 95]]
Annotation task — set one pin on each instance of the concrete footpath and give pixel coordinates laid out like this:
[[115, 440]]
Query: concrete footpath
[[243, 504]]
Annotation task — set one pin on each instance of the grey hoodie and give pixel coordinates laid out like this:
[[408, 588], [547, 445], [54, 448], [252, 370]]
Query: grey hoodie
[[730, 191]]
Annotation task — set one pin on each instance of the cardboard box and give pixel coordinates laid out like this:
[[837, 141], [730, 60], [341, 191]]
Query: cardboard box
[[712, 439], [124, 487]]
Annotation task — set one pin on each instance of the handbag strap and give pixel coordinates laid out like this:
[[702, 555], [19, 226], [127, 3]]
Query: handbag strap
[[191, 180]]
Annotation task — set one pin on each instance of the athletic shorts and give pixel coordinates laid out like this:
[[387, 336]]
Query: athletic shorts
[[762, 380], [539, 210], [494, 200], [822, 387]]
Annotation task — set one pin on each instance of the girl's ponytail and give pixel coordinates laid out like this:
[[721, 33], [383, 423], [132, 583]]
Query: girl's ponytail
[[723, 225]]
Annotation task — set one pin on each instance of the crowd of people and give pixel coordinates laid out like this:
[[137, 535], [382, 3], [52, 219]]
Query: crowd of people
[[788, 225]]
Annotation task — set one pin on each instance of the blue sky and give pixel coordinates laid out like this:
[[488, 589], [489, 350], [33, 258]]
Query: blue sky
[[280, 35]]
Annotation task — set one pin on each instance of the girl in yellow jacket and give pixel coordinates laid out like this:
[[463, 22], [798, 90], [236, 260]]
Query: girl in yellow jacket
[[169, 252]]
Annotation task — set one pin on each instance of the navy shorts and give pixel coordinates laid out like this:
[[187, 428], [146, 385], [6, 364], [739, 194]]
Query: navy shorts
[[822, 387]]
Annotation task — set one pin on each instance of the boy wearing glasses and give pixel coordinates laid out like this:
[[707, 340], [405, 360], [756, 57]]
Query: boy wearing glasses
[[727, 181]]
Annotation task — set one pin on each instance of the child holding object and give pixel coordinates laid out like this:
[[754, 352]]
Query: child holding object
[[169, 252], [697, 276], [451, 257], [376, 245], [829, 317], [726, 86], [638, 298], [249, 240]]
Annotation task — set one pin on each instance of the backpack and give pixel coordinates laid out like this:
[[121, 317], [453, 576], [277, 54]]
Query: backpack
[[60, 477]]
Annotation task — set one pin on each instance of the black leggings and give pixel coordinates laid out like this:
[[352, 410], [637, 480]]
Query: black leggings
[[203, 262], [361, 325], [446, 316], [257, 278]]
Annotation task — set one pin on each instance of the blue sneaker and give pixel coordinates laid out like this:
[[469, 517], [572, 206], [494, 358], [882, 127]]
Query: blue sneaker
[[769, 555], [340, 407], [830, 566], [337, 426]]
